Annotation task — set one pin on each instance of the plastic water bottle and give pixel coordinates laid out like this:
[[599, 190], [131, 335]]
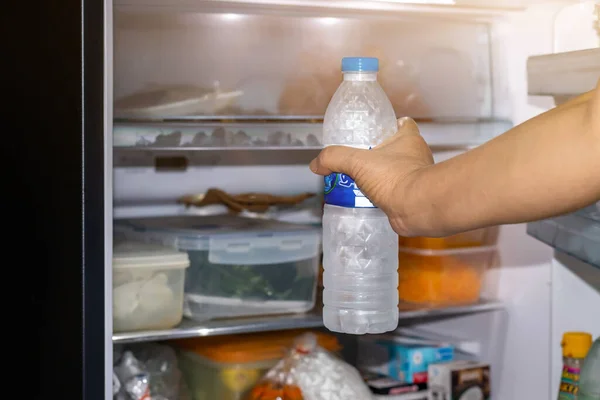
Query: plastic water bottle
[[360, 249]]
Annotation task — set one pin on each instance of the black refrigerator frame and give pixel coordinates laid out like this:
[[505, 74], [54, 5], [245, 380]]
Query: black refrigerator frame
[[58, 199]]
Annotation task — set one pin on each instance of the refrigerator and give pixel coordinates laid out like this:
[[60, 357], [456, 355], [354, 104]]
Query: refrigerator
[[465, 70]]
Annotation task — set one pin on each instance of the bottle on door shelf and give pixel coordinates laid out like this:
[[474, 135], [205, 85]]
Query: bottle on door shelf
[[589, 384], [575, 346]]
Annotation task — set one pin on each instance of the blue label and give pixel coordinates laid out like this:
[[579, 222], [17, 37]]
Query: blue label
[[341, 190]]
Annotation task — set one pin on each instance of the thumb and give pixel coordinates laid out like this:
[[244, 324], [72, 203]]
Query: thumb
[[340, 159], [407, 126]]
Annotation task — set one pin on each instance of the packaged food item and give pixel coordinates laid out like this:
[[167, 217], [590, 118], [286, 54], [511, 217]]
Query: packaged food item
[[443, 277], [238, 266], [402, 358], [227, 367], [460, 380], [148, 283], [147, 371], [384, 387], [309, 372]]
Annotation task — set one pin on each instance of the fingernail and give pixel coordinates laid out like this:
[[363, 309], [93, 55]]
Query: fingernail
[[313, 165], [403, 121]]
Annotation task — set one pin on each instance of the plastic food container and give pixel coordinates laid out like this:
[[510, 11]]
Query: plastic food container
[[227, 367], [475, 238], [443, 277], [148, 283], [239, 266]]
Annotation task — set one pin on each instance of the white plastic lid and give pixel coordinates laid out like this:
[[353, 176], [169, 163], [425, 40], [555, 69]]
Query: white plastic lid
[[131, 254]]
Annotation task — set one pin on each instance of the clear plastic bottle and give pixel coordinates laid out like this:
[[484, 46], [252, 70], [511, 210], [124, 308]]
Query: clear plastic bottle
[[589, 383], [360, 249]]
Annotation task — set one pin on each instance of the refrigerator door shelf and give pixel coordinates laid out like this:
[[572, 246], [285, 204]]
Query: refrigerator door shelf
[[572, 234], [563, 75]]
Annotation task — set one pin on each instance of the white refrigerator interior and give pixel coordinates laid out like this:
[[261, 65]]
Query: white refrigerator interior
[[461, 70]]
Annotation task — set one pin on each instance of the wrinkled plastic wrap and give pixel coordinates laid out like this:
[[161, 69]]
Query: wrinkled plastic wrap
[[308, 372], [147, 372]]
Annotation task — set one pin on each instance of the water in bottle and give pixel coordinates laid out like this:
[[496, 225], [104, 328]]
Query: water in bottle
[[360, 249]]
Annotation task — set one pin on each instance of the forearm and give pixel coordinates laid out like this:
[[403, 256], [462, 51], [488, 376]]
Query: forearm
[[546, 166]]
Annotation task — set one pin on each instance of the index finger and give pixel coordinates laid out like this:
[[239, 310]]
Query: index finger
[[406, 126], [340, 159]]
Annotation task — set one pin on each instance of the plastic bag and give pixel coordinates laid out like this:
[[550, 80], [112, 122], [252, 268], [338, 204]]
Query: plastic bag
[[147, 372], [308, 372]]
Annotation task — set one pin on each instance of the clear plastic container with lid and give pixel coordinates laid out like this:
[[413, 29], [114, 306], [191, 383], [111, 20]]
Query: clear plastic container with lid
[[227, 367], [474, 238], [443, 277], [239, 266], [148, 283]]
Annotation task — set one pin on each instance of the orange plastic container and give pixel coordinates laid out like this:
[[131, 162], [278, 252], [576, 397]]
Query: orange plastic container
[[475, 238], [227, 367], [443, 277]]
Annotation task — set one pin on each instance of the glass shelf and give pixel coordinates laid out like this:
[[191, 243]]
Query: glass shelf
[[190, 328], [264, 133], [576, 234]]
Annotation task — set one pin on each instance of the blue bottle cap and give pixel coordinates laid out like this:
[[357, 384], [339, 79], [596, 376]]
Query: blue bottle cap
[[360, 64]]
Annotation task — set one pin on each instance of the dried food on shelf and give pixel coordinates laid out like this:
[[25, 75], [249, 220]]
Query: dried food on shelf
[[253, 202]]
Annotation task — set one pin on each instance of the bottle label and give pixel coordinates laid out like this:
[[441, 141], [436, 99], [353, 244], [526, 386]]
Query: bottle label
[[341, 190], [569, 383]]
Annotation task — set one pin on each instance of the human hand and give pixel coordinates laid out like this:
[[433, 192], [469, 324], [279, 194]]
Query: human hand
[[385, 174]]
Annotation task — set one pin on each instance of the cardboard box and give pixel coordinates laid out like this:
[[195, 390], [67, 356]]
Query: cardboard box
[[404, 359], [459, 380]]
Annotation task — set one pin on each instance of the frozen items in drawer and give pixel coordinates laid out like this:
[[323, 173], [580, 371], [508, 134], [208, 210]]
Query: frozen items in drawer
[[460, 380], [239, 266], [228, 367], [443, 277], [148, 283], [251, 134], [475, 238], [175, 101], [404, 359]]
